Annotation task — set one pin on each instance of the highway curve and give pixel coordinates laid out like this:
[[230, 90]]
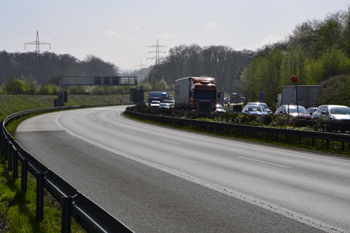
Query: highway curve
[[156, 179]]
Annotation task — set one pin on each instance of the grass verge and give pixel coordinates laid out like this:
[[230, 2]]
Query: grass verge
[[18, 209]]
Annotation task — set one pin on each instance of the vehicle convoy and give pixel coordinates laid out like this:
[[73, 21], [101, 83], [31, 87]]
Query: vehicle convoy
[[196, 93], [307, 96], [158, 96]]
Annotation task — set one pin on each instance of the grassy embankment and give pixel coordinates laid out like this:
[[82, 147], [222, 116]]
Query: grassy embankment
[[17, 209]]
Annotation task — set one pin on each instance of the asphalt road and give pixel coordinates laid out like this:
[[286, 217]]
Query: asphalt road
[[155, 179]]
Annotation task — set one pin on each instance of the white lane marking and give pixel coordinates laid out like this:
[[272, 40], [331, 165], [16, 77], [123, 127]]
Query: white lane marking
[[260, 161], [172, 141], [111, 126], [130, 131], [227, 191]]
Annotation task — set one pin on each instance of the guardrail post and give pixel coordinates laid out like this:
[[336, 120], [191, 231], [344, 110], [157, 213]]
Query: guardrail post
[[15, 164], [66, 219], [24, 175], [40, 196], [10, 149], [6, 149]]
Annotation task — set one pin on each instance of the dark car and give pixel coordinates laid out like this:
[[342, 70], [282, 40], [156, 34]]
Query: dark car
[[333, 117]]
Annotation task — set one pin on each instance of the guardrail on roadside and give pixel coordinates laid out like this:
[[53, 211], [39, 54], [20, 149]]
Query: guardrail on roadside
[[74, 204], [328, 137]]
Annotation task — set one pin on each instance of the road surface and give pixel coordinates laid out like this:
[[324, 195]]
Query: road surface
[[156, 179]]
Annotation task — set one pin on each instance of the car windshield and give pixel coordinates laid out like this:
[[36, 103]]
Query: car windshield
[[256, 108], [295, 110], [340, 110], [258, 103]]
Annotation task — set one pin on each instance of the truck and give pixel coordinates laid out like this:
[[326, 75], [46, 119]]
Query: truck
[[158, 96], [307, 95], [196, 93]]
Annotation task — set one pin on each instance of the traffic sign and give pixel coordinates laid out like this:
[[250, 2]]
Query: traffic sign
[[294, 78]]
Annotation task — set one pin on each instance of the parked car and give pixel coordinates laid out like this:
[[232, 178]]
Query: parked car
[[293, 111], [219, 108], [254, 109], [155, 104], [164, 106], [335, 117], [311, 110], [261, 104]]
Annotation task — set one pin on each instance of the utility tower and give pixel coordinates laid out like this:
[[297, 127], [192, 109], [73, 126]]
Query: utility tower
[[37, 51], [141, 69], [157, 46], [37, 43]]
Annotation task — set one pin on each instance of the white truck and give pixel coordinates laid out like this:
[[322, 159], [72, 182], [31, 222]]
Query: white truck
[[304, 95]]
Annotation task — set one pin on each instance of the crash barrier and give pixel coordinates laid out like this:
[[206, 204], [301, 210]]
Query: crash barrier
[[328, 137], [73, 204]]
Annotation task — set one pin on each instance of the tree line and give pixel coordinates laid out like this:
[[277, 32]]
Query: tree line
[[47, 68], [221, 62], [315, 51]]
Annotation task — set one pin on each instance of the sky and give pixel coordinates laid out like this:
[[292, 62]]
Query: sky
[[126, 32]]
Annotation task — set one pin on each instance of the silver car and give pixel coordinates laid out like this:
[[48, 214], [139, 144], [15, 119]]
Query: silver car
[[268, 110], [254, 109], [334, 117]]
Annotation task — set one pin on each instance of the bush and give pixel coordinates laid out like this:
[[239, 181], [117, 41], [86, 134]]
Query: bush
[[77, 90], [16, 87], [48, 90]]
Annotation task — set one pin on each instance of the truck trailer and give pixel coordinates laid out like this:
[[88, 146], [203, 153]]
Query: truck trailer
[[196, 93], [307, 95]]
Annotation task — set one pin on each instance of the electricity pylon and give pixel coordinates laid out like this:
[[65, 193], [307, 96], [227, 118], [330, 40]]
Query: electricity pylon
[[156, 52], [37, 51]]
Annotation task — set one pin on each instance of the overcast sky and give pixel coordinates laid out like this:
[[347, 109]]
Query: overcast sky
[[121, 32]]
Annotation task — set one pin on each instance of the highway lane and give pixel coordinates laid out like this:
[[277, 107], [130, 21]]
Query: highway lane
[[274, 189]]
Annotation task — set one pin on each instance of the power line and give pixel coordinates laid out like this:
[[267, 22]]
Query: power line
[[37, 51], [157, 46], [140, 66], [37, 43]]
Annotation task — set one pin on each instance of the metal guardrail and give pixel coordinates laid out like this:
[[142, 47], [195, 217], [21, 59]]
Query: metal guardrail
[[343, 138], [74, 204]]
